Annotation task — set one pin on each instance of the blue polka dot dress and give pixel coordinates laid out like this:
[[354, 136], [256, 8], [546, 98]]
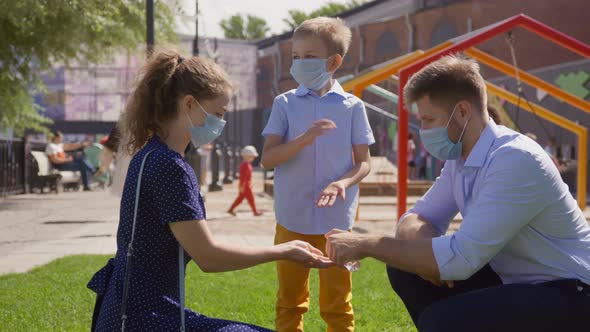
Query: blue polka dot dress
[[169, 193]]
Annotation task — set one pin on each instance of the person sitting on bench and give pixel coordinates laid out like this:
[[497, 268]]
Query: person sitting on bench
[[56, 152]]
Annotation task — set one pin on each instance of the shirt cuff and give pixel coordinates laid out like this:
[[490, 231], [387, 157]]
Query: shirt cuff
[[369, 140], [267, 132], [443, 253], [403, 217]]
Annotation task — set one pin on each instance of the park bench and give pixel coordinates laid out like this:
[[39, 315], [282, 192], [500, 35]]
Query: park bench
[[44, 175]]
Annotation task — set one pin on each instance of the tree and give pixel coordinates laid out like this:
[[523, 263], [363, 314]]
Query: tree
[[252, 28], [296, 17], [233, 27], [39, 34], [256, 28]]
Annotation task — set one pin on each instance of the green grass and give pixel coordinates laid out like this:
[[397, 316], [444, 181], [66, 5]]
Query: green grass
[[54, 297]]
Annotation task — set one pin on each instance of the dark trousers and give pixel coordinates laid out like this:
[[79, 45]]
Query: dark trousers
[[79, 164], [482, 303]]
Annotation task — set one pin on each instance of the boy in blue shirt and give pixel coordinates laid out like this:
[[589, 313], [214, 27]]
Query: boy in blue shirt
[[317, 139]]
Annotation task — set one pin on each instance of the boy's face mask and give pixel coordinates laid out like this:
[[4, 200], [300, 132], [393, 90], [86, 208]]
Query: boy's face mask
[[311, 73]]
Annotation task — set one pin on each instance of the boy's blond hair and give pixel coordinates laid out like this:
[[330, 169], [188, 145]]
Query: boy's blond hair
[[332, 31]]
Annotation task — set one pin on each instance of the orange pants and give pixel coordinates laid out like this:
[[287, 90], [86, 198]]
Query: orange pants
[[293, 293]]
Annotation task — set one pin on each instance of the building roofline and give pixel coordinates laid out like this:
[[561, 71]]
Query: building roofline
[[264, 43]]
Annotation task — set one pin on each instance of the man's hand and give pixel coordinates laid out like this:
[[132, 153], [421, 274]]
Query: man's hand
[[438, 282], [318, 128], [343, 247], [330, 193]]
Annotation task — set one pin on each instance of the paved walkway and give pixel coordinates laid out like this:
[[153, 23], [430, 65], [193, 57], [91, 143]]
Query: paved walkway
[[36, 229]]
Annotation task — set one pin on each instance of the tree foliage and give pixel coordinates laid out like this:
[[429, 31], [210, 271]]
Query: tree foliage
[[296, 16], [251, 28], [38, 34]]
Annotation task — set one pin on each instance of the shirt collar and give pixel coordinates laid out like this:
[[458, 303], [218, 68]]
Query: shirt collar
[[336, 88], [479, 153]]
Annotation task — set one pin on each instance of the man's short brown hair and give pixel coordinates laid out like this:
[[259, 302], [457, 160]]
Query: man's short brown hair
[[446, 82], [495, 115], [332, 31]]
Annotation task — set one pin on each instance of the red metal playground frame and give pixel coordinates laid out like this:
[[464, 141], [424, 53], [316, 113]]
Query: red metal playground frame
[[459, 44]]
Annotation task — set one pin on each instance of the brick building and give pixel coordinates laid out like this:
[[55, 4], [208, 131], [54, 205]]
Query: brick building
[[386, 29], [380, 34]]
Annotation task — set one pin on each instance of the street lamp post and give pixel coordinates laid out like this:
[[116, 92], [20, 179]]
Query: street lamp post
[[215, 154], [195, 154], [196, 40], [149, 17], [237, 141], [227, 169], [216, 150]]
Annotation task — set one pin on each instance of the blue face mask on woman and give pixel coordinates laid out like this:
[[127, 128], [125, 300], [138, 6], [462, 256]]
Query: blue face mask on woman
[[438, 143], [311, 73], [208, 132]]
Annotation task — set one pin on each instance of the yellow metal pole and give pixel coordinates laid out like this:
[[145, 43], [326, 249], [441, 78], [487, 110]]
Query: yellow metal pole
[[559, 120], [538, 109], [359, 93], [358, 84], [370, 76], [582, 168], [529, 79], [381, 74]]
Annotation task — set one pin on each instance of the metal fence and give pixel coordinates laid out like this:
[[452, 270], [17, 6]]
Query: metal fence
[[12, 167], [16, 165], [243, 128]]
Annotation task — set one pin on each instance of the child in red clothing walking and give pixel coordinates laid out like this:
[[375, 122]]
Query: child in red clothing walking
[[248, 153]]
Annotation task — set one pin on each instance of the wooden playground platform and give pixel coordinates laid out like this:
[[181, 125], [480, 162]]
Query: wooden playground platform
[[382, 181]]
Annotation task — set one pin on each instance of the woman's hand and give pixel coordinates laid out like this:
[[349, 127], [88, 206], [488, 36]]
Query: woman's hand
[[305, 254]]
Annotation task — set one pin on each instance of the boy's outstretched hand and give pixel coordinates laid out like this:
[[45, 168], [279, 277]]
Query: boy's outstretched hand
[[330, 193]]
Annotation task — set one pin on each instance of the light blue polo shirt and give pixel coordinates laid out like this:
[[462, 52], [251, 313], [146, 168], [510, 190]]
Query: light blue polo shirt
[[299, 181], [518, 214]]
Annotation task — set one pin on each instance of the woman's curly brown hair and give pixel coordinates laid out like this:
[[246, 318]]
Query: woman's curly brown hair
[[164, 79]]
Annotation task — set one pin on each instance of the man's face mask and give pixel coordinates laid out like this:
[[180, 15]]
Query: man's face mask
[[438, 143]]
